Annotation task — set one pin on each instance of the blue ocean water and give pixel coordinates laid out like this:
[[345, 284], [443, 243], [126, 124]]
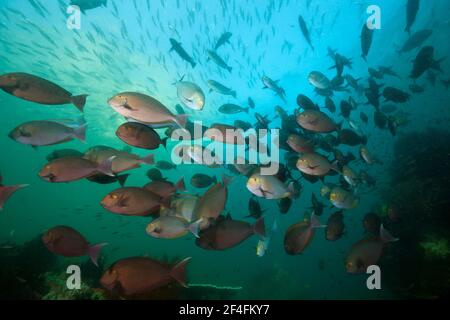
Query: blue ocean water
[[124, 46]]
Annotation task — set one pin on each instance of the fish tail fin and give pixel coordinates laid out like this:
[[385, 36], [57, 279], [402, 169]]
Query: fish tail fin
[[437, 64], [181, 120], [122, 179], [181, 79], [178, 272], [336, 166], [81, 120], [106, 167], [150, 159], [226, 180], [194, 228], [315, 223], [293, 193], [233, 94], [164, 142], [80, 132], [386, 236], [180, 185], [79, 101], [229, 69], [364, 57], [246, 110], [94, 252], [193, 64], [260, 227], [7, 192]]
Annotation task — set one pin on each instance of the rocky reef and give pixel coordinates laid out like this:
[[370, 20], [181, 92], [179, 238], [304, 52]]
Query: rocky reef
[[418, 266], [31, 272]]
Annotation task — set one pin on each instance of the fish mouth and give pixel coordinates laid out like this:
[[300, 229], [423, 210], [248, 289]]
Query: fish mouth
[[105, 205], [49, 177], [117, 102]]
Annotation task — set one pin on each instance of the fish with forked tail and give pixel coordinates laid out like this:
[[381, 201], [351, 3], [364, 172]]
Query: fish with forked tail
[[305, 31], [141, 275], [178, 48], [68, 242], [7, 191], [227, 233], [300, 235], [273, 85], [366, 40], [35, 89], [412, 8]]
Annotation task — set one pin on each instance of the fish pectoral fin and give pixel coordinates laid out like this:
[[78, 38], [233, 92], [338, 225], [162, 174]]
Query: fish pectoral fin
[[128, 107], [123, 203], [265, 192]]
